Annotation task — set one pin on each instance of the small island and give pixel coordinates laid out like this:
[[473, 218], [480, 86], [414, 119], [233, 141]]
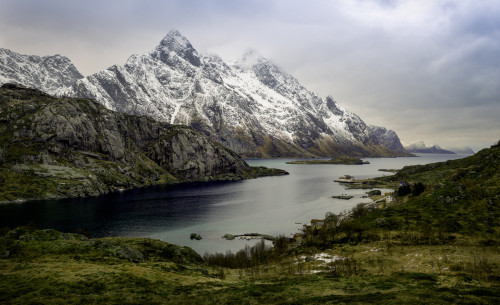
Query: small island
[[344, 160], [249, 236], [195, 236], [345, 179], [344, 197], [389, 170]]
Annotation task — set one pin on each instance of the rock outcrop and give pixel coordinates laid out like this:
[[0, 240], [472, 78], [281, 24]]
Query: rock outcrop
[[389, 139], [77, 147]]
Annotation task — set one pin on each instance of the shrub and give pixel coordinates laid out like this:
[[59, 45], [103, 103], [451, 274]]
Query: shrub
[[418, 189], [404, 190], [359, 210], [245, 258], [343, 267]]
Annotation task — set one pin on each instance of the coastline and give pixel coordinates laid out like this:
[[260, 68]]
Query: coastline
[[253, 173]]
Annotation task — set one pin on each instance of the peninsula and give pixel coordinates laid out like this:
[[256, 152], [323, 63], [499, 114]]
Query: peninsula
[[53, 148], [342, 160]]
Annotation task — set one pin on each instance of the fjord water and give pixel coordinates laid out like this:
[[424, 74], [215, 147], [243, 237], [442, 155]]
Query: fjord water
[[269, 205]]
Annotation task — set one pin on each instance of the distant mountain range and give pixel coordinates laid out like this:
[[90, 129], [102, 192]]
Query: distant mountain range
[[463, 150], [420, 147], [250, 106]]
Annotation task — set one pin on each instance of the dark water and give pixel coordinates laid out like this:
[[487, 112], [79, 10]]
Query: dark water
[[270, 205]]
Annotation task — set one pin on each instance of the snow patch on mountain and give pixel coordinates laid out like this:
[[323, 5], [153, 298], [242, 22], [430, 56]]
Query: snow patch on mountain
[[251, 106], [47, 73]]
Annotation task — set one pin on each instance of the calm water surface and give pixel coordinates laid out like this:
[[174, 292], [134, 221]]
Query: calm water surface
[[270, 205]]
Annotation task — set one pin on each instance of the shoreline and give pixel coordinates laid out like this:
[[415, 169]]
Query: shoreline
[[254, 173]]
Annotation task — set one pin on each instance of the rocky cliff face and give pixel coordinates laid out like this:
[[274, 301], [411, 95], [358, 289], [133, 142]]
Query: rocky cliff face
[[251, 106], [77, 147], [389, 139], [47, 73]]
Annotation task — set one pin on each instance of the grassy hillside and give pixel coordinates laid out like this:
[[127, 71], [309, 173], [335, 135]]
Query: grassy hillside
[[459, 197], [49, 267]]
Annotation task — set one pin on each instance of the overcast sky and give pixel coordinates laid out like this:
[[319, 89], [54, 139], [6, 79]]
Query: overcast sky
[[428, 69]]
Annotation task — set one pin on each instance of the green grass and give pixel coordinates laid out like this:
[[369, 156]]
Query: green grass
[[49, 267]]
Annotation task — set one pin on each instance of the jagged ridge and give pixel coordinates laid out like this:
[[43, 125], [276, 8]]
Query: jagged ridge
[[251, 106], [47, 73]]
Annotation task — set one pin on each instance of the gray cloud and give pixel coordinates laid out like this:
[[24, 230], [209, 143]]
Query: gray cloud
[[428, 69]]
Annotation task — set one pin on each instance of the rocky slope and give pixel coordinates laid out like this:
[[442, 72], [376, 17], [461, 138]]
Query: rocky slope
[[389, 139], [53, 148], [421, 148], [47, 73], [251, 106]]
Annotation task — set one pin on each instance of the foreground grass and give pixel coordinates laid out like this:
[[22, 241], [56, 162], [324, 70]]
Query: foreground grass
[[47, 267]]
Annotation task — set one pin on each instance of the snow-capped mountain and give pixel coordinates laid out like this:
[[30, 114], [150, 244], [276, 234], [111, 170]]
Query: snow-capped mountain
[[251, 106], [47, 73]]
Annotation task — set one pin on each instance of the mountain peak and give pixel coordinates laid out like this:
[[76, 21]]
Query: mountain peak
[[388, 138], [180, 45], [261, 111], [251, 54], [418, 145], [175, 39], [248, 60]]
